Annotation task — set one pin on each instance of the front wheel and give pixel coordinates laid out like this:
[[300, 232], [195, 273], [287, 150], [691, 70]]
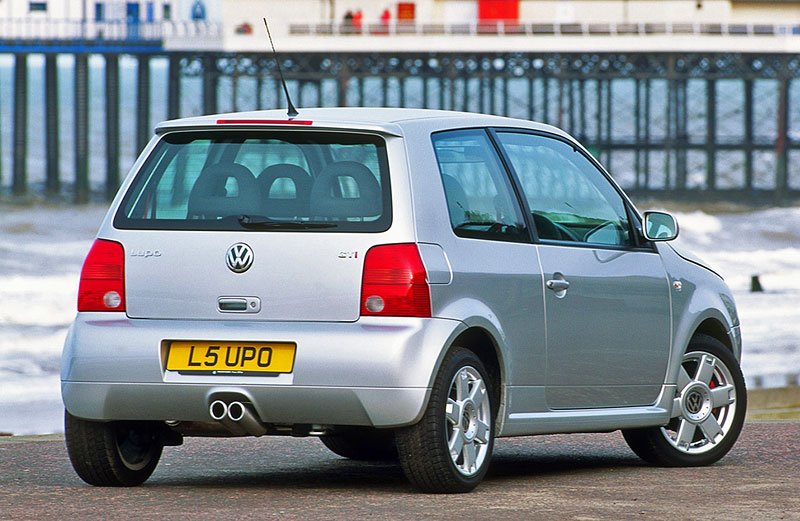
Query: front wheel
[[112, 454], [450, 448], [707, 411]]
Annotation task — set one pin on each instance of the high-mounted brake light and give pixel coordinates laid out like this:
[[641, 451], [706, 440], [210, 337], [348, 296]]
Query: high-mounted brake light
[[395, 282], [264, 122], [102, 286]]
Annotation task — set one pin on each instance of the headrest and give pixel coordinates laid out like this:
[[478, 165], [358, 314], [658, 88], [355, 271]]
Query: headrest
[[295, 206], [209, 197], [328, 199]]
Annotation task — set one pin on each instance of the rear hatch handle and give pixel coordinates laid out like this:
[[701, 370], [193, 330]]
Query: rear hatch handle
[[239, 304]]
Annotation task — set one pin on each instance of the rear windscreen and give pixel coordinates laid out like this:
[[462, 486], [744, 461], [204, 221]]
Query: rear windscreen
[[261, 180]]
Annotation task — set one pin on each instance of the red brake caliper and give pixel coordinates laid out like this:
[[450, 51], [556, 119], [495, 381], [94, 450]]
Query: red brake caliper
[[711, 385]]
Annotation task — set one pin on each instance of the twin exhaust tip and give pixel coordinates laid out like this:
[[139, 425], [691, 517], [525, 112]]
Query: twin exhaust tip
[[237, 417], [220, 410]]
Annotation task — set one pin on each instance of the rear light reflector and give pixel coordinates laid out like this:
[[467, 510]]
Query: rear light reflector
[[102, 286], [395, 282]]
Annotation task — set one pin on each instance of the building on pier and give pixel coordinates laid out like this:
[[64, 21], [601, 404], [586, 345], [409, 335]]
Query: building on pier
[[101, 25], [133, 11], [392, 25]]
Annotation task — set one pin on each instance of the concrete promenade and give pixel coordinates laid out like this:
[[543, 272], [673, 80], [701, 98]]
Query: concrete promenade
[[774, 404]]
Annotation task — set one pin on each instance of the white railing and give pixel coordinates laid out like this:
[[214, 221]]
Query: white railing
[[534, 29], [188, 29], [27, 29]]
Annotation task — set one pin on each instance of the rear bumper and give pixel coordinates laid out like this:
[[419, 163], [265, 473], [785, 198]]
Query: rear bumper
[[376, 371], [380, 407]]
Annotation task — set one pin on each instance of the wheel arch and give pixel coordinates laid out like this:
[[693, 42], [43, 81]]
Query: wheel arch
[[710, 322], [481, 342], [715, 329]]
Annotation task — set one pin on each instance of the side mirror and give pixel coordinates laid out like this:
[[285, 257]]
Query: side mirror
[[660, 226]]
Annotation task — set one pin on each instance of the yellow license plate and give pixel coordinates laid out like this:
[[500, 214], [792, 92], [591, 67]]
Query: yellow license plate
[[230, 358]]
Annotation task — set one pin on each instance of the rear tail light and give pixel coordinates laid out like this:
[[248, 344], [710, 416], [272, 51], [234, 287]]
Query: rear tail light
[[102, 286], [395, 283]]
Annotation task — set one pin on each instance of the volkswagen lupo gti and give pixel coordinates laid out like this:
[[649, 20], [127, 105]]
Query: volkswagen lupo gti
[[403, 284]]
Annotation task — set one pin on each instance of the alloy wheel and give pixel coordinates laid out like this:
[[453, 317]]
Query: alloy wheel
[[468, 415], [704, 408]]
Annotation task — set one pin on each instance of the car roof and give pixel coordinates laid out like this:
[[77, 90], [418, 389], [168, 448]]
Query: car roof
[[391, 121]]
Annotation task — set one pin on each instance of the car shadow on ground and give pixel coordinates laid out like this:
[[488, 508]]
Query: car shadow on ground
[[316, 468]]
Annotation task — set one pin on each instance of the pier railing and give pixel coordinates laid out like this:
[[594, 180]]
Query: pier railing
[[544, 29]]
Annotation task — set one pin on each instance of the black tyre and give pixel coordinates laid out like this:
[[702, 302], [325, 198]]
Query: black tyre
[[363, 444], [450, 448], [707, 414], [112, 454]]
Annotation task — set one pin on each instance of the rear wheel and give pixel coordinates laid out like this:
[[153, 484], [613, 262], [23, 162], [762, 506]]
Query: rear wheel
[[112, 454], [449, 450], [362, 444], [707, 411]]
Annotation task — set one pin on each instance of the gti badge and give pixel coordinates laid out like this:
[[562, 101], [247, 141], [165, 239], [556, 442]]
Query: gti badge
[[239, 257]]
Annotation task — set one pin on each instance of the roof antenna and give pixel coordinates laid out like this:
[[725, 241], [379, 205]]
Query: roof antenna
[[291, 111]]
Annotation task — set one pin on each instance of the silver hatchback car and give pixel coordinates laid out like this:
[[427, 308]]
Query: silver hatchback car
[[404, 284]]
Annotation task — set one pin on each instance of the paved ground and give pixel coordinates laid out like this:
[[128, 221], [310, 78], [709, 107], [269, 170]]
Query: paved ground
[[549, 477]]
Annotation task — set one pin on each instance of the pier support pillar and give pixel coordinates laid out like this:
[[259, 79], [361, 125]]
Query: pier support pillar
[[682, 161], [781, 151], [174, 88], [637, 126], [210, 79], [51, 124], [19, 184], [342, 82], [81, 129], [143, 130], [748, 134], [647, 109], [711, 135], [112, 124]]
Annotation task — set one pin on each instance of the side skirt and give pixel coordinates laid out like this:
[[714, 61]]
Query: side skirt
[[591, 420]]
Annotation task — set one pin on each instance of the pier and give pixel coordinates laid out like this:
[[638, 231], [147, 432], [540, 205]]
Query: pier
[[664, 120]]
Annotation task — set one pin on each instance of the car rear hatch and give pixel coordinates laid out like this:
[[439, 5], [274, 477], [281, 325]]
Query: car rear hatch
[[258, 224]]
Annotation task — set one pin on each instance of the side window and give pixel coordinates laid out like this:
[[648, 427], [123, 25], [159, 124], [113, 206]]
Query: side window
[[570, 199], [479, 196]]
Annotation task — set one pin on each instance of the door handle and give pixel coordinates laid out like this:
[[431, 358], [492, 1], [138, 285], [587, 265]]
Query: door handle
[[558, 285]]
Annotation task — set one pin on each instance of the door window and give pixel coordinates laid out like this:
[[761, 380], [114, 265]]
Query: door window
[[569, 198], [480, 199]]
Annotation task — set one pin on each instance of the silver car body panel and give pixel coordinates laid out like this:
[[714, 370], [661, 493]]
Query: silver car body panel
[[111, 361], [378, 371], [703, 296], [595, 359], [165, 286]]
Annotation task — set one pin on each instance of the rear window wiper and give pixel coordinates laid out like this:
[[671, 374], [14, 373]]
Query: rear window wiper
[[259, 222]]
